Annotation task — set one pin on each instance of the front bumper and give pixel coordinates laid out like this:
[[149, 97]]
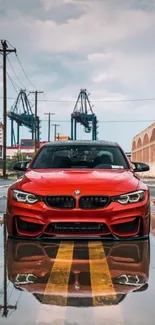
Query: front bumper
[[115, 221]]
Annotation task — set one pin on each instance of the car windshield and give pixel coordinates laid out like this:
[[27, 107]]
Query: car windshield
[[80, 156]]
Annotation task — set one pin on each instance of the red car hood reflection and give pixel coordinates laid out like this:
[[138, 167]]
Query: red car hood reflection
[[101, 180]]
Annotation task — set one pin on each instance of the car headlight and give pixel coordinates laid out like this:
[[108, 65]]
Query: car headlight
[[24, 197], [130, 280], [133, 197], [25, 279]]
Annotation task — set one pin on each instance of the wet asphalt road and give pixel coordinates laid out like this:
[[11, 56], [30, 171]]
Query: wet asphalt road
[[77, 283]]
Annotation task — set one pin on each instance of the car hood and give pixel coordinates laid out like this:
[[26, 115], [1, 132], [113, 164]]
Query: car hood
[[88, 182]]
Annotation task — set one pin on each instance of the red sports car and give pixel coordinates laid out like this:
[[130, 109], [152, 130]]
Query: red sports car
[[79, 189]]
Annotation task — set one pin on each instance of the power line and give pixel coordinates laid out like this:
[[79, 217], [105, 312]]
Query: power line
[[127, 121], [99, 101], [45, 100], [10, 44], [106, 121], [94, 101], [24, 71], [16, 74], [14, 85]]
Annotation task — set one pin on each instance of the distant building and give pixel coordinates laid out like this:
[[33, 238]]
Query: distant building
[[62, 137], [27, 143], [143, 148], [26, 147], [129, 154]]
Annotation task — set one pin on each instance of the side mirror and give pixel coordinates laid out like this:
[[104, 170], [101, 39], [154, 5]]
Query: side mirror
[[140, 167], [21, 166]]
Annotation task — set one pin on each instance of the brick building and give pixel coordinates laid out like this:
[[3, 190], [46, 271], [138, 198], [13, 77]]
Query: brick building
[[143, 148]]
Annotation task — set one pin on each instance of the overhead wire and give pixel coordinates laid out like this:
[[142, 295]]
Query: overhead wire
[[99, 101], [73, 101], [102, 121], [14, 85], [10, 44], [106, 121], [24, 71], [16, 74], [94, 101]]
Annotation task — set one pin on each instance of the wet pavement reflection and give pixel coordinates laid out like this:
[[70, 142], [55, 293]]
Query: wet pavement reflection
[[77, 283]]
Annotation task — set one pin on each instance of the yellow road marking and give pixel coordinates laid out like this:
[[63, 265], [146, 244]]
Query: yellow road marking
[[59, 276], [102, 286], [57, 286], [101, 281]]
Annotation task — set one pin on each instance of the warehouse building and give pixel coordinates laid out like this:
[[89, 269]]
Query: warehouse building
[[143, 148]]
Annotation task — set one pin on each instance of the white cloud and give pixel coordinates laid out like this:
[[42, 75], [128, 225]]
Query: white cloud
[[98, 57], [91, 31], [102, 77], [104, 49]]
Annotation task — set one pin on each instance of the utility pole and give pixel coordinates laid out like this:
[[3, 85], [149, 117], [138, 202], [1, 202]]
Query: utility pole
[[49, 124], [5, 50], [58, 136], [35, 114], [55, 130]]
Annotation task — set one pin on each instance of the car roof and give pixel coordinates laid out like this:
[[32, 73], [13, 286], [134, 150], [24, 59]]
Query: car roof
[[81, 142]]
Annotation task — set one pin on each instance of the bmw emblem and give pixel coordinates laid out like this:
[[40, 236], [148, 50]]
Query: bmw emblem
[[77, 192]]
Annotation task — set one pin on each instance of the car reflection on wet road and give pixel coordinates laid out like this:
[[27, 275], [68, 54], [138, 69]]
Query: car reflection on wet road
[[77, 283], [85, 274]]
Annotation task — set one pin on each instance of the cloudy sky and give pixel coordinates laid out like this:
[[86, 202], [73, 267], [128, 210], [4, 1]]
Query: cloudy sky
[[105, 46]]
